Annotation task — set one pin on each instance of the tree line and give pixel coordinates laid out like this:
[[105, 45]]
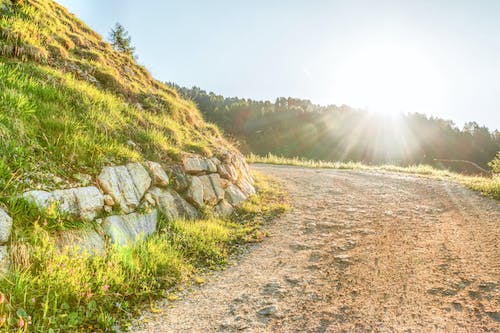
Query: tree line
[[293, 127]]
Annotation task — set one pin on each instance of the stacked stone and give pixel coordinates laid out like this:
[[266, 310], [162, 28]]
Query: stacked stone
[[218, 184], [130, 196]]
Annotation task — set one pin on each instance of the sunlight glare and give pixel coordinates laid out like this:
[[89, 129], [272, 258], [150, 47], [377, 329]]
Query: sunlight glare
[[388, 79]]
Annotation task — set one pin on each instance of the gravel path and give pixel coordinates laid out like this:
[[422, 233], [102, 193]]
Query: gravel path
[[359, 252]]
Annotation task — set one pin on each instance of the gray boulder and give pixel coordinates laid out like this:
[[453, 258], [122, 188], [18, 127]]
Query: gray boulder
[[127, 229], [215, 161], [179, 179], [81, 241], [196, 165], [41, 199], [194, 193], [243, 169], [225, 183], [4, 259], [5, 226], [172, 205], [159, 176], [125, 184], [227, 171], [224, 209], [234, 195], [241, 163], [81, 202], [246, 187], [212, 189]]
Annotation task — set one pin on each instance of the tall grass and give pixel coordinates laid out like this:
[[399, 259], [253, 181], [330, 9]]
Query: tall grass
[[489, 187]]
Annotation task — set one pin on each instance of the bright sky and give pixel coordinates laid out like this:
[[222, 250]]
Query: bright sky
[[436, 57]]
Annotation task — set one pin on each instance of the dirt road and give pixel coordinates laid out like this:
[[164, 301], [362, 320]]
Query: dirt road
[[359, 252]]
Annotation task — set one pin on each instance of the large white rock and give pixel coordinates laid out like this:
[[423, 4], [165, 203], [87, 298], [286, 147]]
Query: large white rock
[[90, 201], [172, 205], [223, 208], [160, 177], [4, 259], [241, 163], [246, 187], [178, 178], [227, 156], [81, 241], [243, 169], [81, 202], [227, 171], [216, 161], [127, 229], [140, 177], [5, 226], [196, 165], [41, 199], [234, 195], [212, 189], [126, 184], [65, 201], [194, 193]]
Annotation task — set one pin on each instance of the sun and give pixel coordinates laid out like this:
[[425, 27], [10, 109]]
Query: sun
[[389, 79]]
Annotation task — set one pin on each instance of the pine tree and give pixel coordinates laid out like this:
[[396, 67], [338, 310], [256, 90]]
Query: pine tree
[[121, 40]]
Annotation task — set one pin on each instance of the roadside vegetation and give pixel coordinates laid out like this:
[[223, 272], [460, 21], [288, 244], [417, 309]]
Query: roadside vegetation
[[50, 290], [488, 186]]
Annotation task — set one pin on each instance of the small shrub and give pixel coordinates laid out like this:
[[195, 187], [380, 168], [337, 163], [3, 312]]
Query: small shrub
[[495, 164]]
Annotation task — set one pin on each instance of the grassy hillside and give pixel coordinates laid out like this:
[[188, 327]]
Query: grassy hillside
[[69, 103]]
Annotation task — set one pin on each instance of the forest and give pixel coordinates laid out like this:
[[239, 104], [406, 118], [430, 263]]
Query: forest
[[293, 127]]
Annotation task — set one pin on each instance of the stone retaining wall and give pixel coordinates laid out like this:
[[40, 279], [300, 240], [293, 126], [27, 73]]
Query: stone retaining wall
[[127, 199]]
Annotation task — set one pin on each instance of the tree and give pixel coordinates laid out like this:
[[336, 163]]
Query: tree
[[121, 40]]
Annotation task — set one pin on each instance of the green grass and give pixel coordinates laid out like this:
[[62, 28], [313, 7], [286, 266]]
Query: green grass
[[488, 186], [70, 103], [53, 291], [70, 126]]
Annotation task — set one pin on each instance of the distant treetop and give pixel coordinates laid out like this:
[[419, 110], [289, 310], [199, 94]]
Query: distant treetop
[[121, 40]]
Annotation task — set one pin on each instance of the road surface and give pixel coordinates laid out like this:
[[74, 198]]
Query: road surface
[[359, 252]]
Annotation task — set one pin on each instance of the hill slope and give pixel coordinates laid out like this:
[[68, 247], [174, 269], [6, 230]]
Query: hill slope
[[70, 103]]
